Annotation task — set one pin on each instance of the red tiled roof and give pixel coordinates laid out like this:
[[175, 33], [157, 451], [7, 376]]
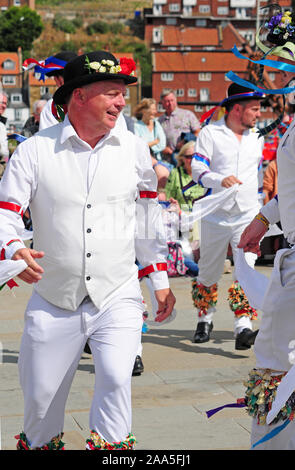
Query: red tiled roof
[[198, 62], [189, 36], [12, 56]]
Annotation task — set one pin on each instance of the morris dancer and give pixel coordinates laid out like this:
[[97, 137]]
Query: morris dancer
[[228, 152], [92, 194], [274, 344]]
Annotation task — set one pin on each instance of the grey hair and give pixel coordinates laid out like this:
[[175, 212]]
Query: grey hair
[[166, 92]]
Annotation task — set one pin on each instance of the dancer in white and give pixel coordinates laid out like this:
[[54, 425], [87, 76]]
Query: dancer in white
[[228, 152], [92, 194], [270, 396]]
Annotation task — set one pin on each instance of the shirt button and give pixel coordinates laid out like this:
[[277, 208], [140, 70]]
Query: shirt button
[[88, 230], [88, 278], [88, 255], [88, 206]]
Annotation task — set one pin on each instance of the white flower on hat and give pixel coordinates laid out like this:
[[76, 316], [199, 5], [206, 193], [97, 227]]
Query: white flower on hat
[[95, 65]]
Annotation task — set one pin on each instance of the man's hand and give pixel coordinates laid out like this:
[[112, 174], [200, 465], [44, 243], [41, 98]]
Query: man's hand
[[167, 150], [252, 235], [33, 273], [166, 302], [230, 181]]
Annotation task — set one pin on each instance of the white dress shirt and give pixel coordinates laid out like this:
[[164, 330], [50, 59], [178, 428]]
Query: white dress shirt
[[20, 182]]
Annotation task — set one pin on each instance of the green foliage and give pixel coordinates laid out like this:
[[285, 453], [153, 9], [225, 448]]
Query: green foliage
[[143, 55], [100, 27], [63, 24], [19, 26]]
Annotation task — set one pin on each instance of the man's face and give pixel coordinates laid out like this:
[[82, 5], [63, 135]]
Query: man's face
[[3, 103], [169, 103], [250, 112], [104, 102]]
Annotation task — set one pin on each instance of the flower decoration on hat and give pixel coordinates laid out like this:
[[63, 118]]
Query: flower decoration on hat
[[282, 26], [126, 66]]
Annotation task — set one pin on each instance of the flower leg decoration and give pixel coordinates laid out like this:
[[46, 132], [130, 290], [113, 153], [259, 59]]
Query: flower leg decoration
[[55, 443], [95, 442], [239, 303], [204, 297]]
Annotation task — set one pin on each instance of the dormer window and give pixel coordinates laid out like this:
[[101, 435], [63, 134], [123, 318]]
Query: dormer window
[[8, 64]]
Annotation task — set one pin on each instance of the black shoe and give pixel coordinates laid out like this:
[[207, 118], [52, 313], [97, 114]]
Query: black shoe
[[202, 334], [87, 349], [138, 366], [245, 339]]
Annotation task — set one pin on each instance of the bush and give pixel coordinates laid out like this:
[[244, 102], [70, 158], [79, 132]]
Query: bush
[[100, 27], [63, 24]]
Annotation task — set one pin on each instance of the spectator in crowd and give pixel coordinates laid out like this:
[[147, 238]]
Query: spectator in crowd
[[181, 176], [32, 124], [4, 151], [148, 127], [86, 280], [228, 153], [270, 181], [176, 122]]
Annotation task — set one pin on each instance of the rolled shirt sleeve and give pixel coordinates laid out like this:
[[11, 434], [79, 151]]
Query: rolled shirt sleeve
[[16, 189], [150, 240]]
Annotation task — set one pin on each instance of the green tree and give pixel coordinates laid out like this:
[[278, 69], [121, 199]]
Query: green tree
[[19, 26]]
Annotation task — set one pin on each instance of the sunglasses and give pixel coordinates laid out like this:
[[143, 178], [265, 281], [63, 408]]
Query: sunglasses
[[189, 156]]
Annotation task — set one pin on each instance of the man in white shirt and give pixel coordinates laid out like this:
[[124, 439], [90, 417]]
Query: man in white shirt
[[92, 195], [228, 152]]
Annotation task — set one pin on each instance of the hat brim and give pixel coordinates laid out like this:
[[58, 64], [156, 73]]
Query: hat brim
[[62, 93]]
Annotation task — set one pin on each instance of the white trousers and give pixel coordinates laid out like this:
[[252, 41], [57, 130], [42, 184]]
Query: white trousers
[[52, 344], [285, 440], [217, 232]]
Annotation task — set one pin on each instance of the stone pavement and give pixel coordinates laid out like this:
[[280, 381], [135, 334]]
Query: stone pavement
[[180, 382]]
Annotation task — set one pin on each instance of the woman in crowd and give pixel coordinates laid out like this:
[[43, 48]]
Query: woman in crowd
[[148, 127]]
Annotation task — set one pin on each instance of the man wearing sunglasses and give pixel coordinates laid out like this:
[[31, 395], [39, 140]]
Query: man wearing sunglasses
[[228, 152]]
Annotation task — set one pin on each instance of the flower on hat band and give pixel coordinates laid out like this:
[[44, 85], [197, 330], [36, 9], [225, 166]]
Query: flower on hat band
[[282, 24], [126, 66]]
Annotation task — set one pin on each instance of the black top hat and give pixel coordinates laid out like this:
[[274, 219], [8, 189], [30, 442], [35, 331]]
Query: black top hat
[[93, 67], [64, 56], [236, 92]]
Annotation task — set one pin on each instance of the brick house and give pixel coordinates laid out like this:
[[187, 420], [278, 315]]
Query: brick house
[[193, 56], [5, 4], [12, 83]]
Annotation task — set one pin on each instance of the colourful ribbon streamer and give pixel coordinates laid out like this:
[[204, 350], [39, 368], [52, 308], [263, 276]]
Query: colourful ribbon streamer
[[51, 64], [18, 137], [240, 403], [266, 62], [278, 91], [272, 434]]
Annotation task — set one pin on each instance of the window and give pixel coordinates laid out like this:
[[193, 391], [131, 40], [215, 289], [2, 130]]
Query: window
[[205, 76], [201, 23], [171, 21], [8, 80], [174, 7], [16, 3], [44, 90], [16, 98], [192, 93], [127, 110], [180, 92], [204, 94], [187, 11], [222, 11], [198, 108], [8, 64], [18, 114], [167, 77], [204, 9]]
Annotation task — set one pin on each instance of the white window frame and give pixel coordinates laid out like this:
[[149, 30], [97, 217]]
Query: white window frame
[[8, 64], [174, 7], [180, 92], [205, 76], [204, 91], [8, 80], [204, 9], [167, 76], [192, 92], [16, 98]]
